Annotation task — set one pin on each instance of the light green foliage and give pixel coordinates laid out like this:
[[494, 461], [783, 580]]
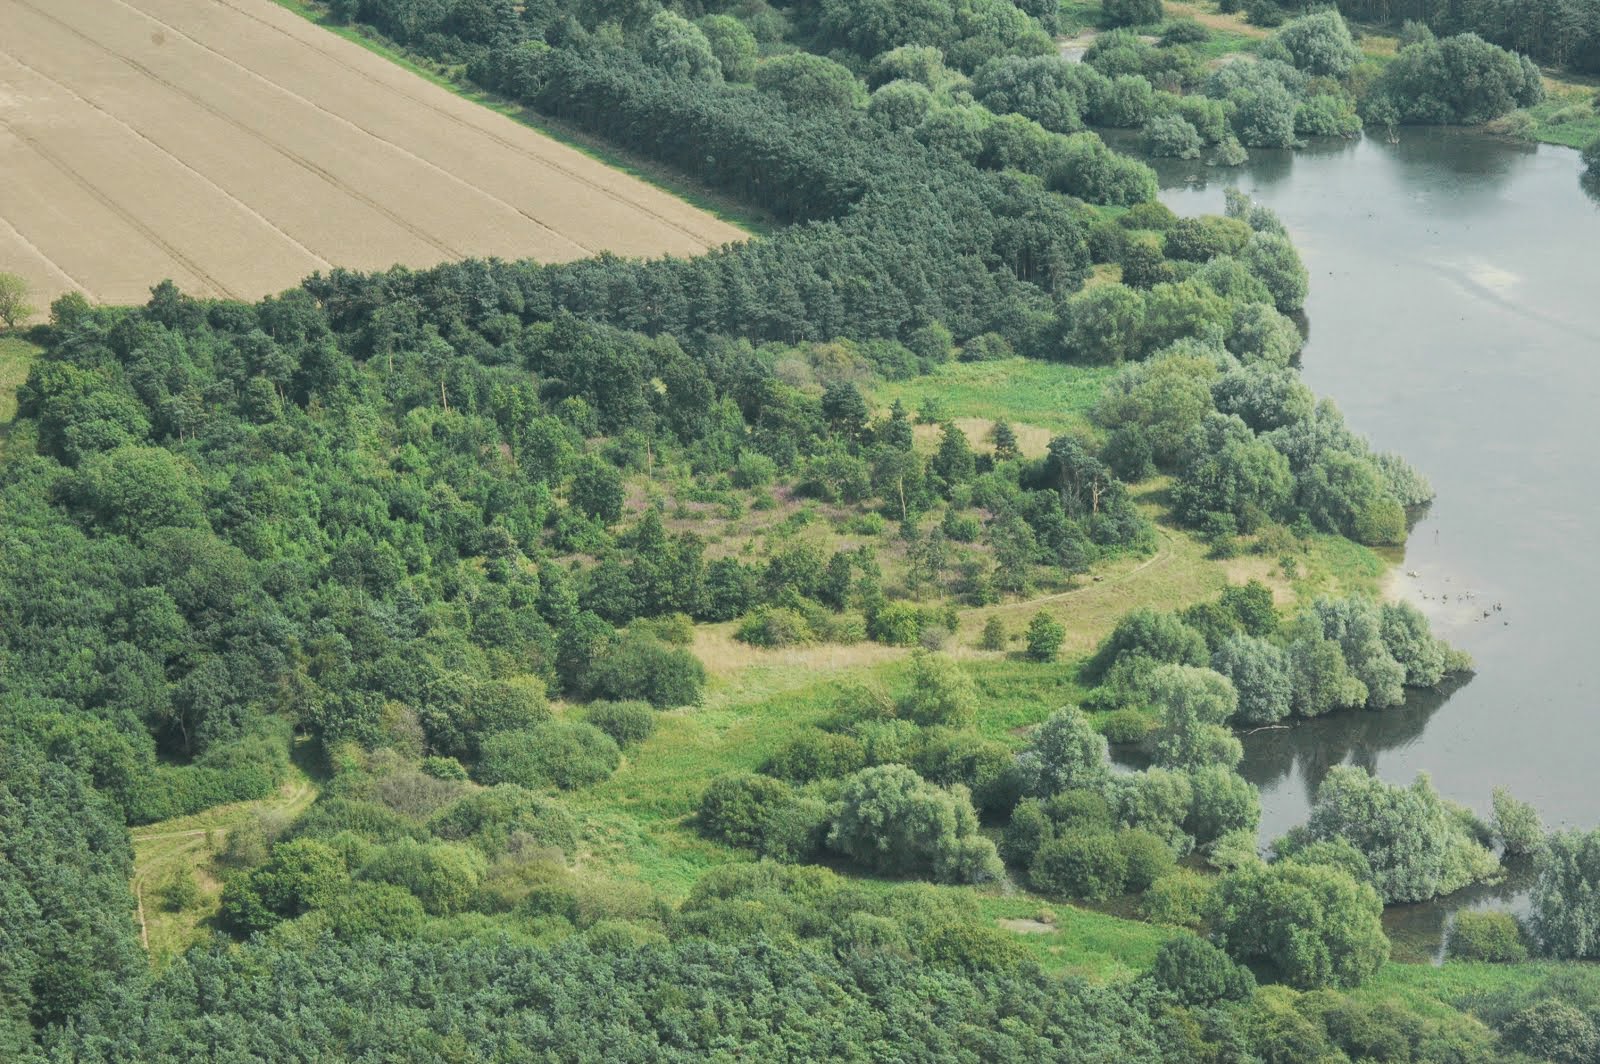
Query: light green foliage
[[1517, 826], [303, 874], [380, 909], [1194, 705], [733, 45], [1165, 399], [1233, 474], [1065, 752], [890, 820], [560, 754], [444, 877], [1148, 857], [1080, 864], [1147, 634], [1274, 259], [1224, 803], [1263, 117], [900, 104], [1181, 898], [1458, 80], [678, 46], [1260, 674], [942, 693], [14, 305], [761, 814], [1356, 625], [507, 818], [1320, 44], [1495, 937], [627, 723], [135, 490], [1043, 637], [1173, 137], [1566, 906], [1260, 334], [1311, 925], [1415, 847]]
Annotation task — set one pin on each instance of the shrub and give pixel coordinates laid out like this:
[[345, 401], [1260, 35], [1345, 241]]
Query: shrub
[[560, 754], [762, 814], [816, 755], [641, 668], [628, 723], [507, 818], [1125, 726], [1312, 925], [1132, 12], [1199, 974], [443, 768], [1044, 637], [942, 693], [1181, 898], [1486, 936], [1171, 136], [442, 876], [1148, 858], [1080, 864], [891, 820], [1553, 1030], [1063, 752], [994, 635], [1517, 827], [774, 627]]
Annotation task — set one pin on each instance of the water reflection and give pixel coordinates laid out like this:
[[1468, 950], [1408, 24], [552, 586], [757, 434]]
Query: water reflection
[[1304, 751]]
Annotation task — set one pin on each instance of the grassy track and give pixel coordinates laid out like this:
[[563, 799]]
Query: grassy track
[[454, 80], [187, 846]]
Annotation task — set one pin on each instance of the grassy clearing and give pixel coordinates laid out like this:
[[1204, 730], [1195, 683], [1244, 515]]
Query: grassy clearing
[[454, 80], [1053, 396], [1567, 116], [187, 846], [16, 355]]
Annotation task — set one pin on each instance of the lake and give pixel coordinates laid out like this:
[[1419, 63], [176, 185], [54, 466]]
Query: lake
[[1455, 318]]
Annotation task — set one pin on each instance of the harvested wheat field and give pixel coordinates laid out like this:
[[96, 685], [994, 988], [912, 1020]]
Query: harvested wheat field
[[236, 148]]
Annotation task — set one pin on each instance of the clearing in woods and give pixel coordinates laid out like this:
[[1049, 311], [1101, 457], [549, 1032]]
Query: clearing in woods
[[236, 148]]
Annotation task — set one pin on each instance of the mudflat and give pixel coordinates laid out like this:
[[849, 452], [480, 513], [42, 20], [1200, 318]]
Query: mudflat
[[234, 147]]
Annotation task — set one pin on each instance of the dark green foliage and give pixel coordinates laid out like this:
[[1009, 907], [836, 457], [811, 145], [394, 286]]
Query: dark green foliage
[[816, 755], [1461, 80], [1553, 1030], [773, 1001], [642, 669], [1148, 857], [64, 898], [560, 754], [1132, 12], [1198, 973], [761, 814], [303, 874]]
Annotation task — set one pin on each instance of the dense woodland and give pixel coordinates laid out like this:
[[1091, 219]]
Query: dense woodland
[[449, 537]]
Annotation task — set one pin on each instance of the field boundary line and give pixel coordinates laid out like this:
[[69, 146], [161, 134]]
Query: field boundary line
[[110, 204], [251, 211], [337, 117], [448, 251], [504, 142]]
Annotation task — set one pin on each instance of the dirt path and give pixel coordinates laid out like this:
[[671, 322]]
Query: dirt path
[[183, 845]]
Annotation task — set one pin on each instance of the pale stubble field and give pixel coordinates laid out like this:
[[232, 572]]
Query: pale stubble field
[[236, 148]]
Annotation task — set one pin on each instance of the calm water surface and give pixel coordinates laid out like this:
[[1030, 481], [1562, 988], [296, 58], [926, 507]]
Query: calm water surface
[[1455, 318]]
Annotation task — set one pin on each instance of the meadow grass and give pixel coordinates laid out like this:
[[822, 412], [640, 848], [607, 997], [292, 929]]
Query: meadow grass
[[1053, 396], [16, 355]]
